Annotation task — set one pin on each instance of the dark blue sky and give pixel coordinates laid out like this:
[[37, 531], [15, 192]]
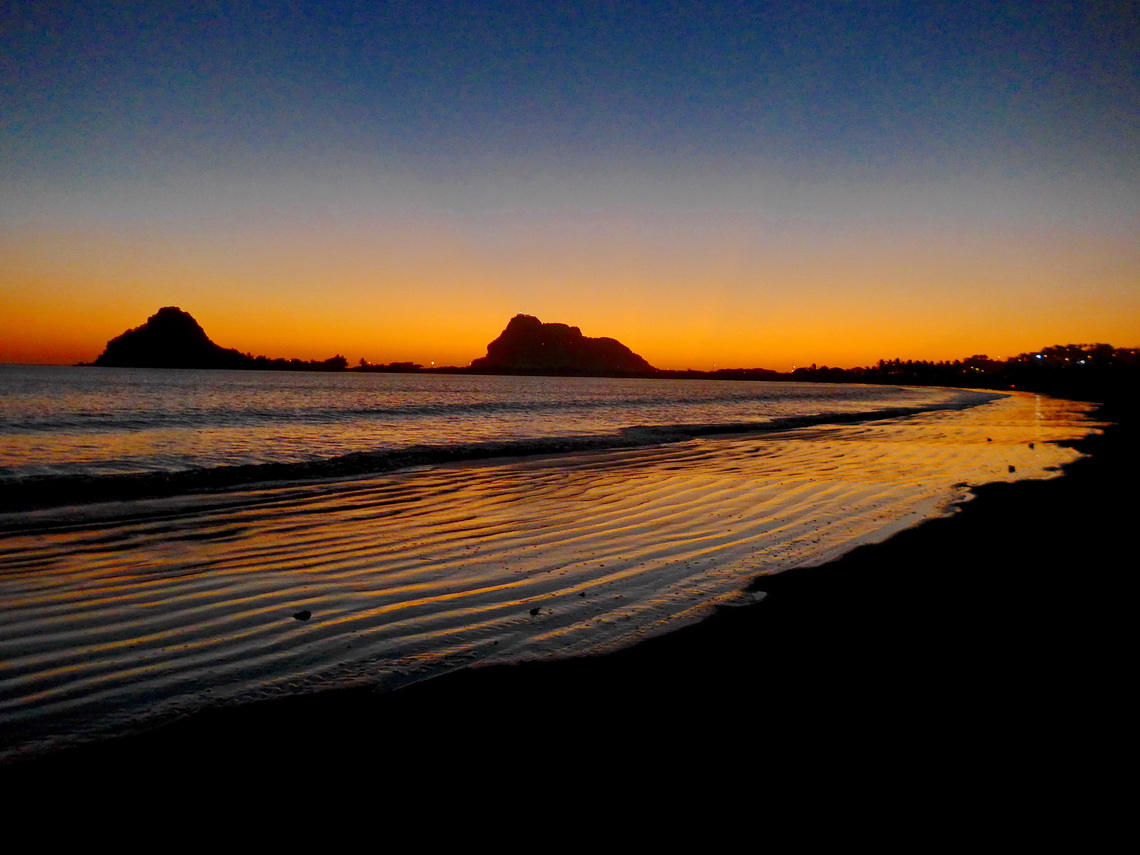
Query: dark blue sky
[[876, 86]]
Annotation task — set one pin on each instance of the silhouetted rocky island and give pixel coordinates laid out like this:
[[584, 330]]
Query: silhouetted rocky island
[[171, 338], [528, 346]]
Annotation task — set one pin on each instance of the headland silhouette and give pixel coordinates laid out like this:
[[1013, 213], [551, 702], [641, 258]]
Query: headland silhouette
[[528, 346], [172, 338]]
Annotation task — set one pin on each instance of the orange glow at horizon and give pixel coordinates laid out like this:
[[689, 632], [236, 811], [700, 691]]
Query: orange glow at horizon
[[914, 183], [684, 292]]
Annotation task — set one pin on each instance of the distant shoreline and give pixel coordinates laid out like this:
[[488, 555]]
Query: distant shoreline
[[172, 338], [1019, 373]]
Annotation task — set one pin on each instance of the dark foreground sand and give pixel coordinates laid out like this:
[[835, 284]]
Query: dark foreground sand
[[990, 647]]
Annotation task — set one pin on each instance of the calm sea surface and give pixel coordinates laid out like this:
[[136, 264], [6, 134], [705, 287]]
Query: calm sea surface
[[424, 523], [58, 421]]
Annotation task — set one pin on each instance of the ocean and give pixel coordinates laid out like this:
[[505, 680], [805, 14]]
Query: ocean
[[172, 540]]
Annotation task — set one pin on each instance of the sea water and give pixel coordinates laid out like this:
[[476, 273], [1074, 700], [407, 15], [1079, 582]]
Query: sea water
[[65, 421], [542, 517]]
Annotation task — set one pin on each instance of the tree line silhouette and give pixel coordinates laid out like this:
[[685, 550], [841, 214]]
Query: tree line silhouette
[[1058, 367]]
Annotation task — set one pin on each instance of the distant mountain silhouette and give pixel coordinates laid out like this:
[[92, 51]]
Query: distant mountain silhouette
[[528, 346], [171, 338]]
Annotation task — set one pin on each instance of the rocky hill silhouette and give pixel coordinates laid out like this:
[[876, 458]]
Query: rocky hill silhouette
[[528, 346], [171, 338]]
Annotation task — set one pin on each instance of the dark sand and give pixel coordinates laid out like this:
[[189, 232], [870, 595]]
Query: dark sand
[[988, 647]]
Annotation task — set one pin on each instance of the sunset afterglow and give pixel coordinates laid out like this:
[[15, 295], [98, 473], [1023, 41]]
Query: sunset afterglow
[[729, 184]]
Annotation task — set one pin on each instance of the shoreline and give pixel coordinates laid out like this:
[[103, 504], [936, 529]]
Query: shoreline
[[974, 635]]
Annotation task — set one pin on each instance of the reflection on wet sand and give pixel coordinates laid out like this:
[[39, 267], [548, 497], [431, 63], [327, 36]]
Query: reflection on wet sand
[[124, 611]]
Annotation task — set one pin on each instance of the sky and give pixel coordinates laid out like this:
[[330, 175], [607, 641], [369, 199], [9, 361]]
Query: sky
[[715, 184]]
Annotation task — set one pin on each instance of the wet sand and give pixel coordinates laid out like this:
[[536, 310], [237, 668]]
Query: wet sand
[[989, 644]]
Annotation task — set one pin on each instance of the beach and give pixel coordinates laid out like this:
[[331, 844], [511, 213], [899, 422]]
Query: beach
[[984, 637], [418, 418]]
